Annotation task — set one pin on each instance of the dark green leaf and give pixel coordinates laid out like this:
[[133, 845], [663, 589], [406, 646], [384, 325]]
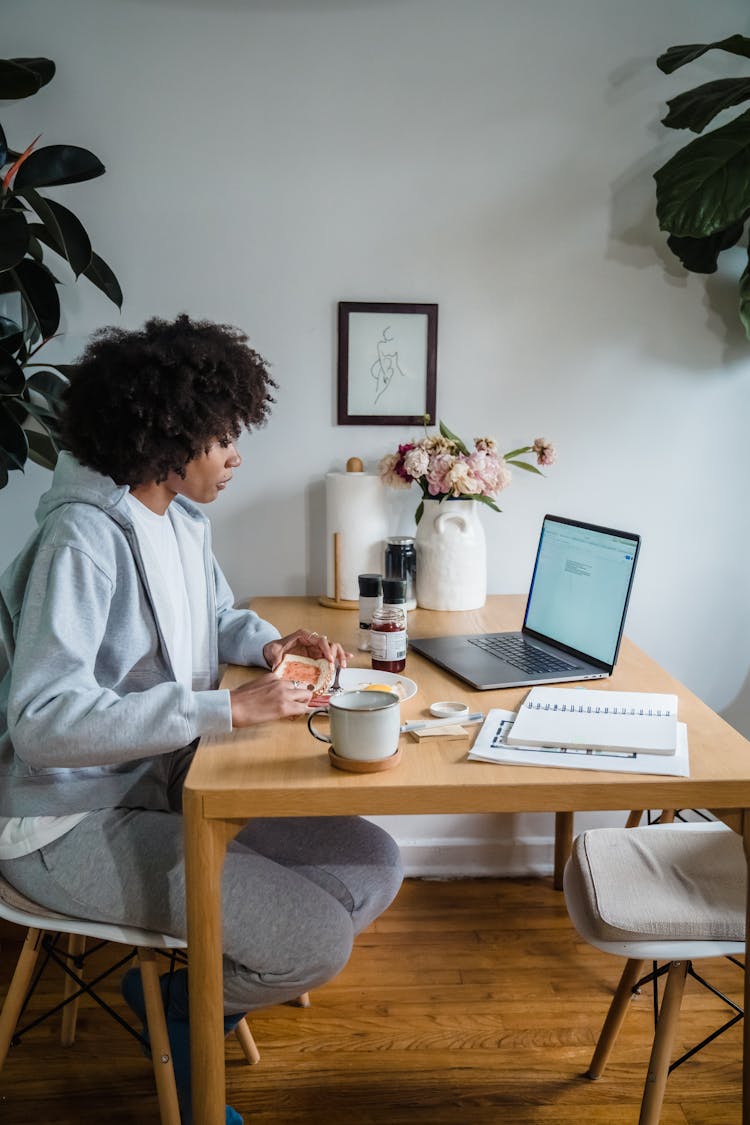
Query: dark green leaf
[[102, 277], [745, 300], [41, 232], [12, 378], [452, 437], [12, 440], [49, 384], [66, 369], [11, 336], [57, 164], [42, 449], [14, 238], [419, 512], [34, 249], [37, 287], [678, 56], [488, 501], [697, 108], [3, 470], [49, 416], [65, 229], [527, 467], [43, 68], [517, 452], [705, 187], [17, 81], [701, 255], [3, 148]]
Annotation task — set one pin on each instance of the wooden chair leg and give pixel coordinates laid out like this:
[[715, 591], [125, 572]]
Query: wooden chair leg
[[161, 1054], [302, 1001], [634, 818], [563, 845], [618, 1009], [661, 1051], [19, 986], [76, 946], [246, 1041], [667, 816]]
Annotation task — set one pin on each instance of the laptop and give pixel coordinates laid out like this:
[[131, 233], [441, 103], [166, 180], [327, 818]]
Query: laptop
[[575, 614]]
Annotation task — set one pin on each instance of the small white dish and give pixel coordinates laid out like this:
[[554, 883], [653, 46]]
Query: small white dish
[[370, 678], [448, 709]]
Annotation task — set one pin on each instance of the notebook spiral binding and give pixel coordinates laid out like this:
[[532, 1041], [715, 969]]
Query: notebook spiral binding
[[644, 712]]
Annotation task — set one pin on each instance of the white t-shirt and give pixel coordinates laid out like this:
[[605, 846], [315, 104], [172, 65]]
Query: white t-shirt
[[177, 583]]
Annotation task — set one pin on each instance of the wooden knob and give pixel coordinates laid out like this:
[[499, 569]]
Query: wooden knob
[[354, 465]]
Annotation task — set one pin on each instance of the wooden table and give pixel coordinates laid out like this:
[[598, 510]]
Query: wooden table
[[277, 769]]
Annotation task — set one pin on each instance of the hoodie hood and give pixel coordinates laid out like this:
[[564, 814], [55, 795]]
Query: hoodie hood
[[75, 483]]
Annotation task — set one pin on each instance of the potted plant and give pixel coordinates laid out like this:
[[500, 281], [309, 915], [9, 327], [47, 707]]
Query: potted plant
[[703, 191], [31, 224]]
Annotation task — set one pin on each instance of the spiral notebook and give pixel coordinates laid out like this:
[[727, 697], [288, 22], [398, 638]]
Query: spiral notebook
[[625, 721]]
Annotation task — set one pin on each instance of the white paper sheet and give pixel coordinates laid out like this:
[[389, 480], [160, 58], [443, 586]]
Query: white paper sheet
[[490, 746]]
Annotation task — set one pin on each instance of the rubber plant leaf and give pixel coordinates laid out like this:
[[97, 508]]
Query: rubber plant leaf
[[695, 109], [3, 148], [679, 56], [39, 292], [42, 449], [13, 440], [49, 384], [65, 228], [100, 275], [19, 160], [43, 68], [12, 378], [11, 335], [745, 300], [58, 164], [17, 81], [704, 188], [701, 255], [14, 238]]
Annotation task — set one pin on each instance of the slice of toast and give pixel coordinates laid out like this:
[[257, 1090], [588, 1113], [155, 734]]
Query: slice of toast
[[317, 675]]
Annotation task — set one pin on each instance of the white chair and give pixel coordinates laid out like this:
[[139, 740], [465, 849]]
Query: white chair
[[41, 923], [664, 893]]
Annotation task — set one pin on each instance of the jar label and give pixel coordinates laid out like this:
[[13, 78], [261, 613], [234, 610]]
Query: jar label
[[388, 646]]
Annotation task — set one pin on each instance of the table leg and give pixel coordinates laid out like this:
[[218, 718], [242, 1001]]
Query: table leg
[[205, 848], [746, 1021], [563, 845]]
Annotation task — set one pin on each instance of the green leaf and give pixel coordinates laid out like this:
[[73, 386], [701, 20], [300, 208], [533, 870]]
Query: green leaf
[[57, 164], [3, 148], [527, 467], [701, 255], [11, 336], [694, 109], [42, 449], [745, 300], [517, 452], [65, 228], [37, 287], [679, 56], [13, 440], [14, 238], [100, 275], [705, 187], [488, 501], [452, 437], [17, 81], [48, 383], [68, 370], [43, 68], [48, 414], [12, 378], [419, 512]]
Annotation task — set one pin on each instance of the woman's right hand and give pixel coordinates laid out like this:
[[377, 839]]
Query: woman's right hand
[[265, 698]]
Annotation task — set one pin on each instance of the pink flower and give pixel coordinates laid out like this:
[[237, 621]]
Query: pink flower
[[489, 471], [389, 474], [438, 478], [416, 462], [546, 454]]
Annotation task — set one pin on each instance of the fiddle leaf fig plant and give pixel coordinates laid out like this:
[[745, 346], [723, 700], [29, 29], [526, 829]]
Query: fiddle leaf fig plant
[[31, 225], [703, 191]]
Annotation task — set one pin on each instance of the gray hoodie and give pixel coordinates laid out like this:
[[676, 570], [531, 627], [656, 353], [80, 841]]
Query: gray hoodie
[[89, 707]]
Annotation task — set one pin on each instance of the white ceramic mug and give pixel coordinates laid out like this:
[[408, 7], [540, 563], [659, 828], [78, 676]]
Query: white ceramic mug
[[364, 725]]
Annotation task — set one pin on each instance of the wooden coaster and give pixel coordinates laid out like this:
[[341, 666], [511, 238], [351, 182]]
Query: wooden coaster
[[354, 765]]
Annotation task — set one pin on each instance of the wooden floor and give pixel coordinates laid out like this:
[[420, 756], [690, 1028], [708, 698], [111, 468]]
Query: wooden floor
[[470, 1002]]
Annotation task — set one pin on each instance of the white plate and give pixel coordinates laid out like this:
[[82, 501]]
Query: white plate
[[352, 678]]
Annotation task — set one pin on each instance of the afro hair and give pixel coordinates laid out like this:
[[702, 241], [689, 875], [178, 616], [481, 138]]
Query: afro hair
[[143, 403]]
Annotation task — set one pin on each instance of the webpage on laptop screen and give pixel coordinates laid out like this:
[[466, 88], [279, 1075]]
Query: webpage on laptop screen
[[580, 587]]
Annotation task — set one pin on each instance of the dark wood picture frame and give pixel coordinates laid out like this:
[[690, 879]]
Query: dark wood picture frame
[[387, 363]]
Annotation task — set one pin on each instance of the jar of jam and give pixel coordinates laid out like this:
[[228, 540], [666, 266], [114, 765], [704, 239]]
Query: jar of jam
[[388, 628]]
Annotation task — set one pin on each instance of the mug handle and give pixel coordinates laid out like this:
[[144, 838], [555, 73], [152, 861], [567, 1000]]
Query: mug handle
[[311, 728]]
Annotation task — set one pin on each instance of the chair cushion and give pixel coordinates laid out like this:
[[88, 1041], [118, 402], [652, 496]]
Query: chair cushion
[[662, 882]]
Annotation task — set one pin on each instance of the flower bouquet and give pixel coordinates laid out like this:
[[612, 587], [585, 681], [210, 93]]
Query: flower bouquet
[[444, 467]]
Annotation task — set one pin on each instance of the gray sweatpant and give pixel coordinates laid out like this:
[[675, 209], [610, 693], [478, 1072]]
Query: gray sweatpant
[[295, 891]]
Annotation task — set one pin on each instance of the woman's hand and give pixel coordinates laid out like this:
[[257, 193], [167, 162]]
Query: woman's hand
[[305, 643], [266, 698]]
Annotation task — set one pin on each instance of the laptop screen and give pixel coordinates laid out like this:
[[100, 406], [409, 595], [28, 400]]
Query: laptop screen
[[581, 586]]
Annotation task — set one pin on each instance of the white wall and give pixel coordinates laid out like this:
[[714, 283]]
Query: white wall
[[268, 159]]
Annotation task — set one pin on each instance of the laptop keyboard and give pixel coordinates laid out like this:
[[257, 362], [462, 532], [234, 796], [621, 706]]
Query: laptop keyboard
[[520, 654]]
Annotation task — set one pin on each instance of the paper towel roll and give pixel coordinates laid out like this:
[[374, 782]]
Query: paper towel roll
[[356, 508]]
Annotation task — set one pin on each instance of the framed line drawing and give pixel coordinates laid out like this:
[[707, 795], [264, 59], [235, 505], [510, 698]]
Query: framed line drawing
[[387, 364]]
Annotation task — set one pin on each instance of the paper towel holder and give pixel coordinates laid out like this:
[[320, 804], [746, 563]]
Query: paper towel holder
[[353, 465]]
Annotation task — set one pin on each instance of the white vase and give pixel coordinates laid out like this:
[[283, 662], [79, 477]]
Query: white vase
[[451, 556]]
